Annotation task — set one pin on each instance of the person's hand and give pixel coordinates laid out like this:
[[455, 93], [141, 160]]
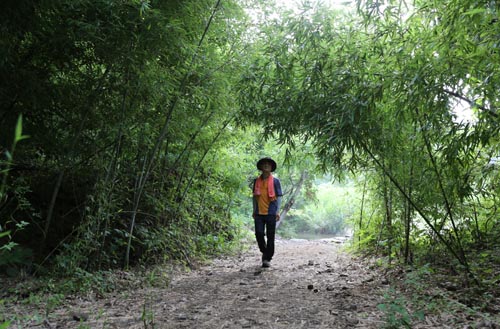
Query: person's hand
[[253, 215], [277, 217]]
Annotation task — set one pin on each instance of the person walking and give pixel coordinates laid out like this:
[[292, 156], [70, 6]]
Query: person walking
[[267, 195]]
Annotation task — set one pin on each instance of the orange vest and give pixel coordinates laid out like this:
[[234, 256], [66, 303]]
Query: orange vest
[[264, 192]]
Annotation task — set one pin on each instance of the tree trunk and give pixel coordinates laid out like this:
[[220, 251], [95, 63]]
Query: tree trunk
[[361, 213], [408, 213], [150, 160], [294, 193], [441, 238]]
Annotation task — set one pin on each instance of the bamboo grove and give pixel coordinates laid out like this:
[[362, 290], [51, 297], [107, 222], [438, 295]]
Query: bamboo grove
[[383, 94], [134, 124], [129, 109]]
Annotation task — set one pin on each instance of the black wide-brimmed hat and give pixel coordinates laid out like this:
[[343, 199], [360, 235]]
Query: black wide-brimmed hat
[[267, 159]]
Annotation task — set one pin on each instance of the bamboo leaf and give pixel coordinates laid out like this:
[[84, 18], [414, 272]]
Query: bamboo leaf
[[4, 234], [18, 136], [475, 11]]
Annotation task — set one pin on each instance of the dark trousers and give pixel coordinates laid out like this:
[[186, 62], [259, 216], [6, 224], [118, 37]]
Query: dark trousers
[[265, 225]]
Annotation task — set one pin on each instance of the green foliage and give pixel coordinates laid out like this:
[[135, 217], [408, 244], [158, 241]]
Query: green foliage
[[328, 214], [126, 103], [381, 92], [11, 253], [148, 316], [4, 324], [146, 122], [396, 312]]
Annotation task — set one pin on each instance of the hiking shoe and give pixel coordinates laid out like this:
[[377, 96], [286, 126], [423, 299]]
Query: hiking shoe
[[266, 263]]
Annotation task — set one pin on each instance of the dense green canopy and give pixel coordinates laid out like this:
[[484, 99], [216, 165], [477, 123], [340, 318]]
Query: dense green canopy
[[145, 119]]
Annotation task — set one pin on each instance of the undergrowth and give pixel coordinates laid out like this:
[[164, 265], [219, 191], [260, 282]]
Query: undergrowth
[[428, 291], [34, 299]]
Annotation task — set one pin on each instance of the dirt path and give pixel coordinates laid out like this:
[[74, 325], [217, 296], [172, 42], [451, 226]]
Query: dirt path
[[311, 284]]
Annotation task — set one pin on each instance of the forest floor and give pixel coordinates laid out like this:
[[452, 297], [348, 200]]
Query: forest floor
[[310, 284]]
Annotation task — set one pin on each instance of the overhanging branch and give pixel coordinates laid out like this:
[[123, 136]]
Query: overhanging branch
[[472, 103]]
